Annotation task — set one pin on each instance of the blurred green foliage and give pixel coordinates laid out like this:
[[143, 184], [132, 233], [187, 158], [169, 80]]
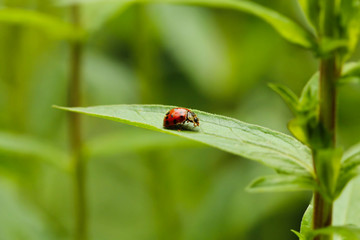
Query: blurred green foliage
[[143, 185]]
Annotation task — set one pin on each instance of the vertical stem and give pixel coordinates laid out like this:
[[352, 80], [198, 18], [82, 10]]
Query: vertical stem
[[329, 72], [145, 56], [75, 134]]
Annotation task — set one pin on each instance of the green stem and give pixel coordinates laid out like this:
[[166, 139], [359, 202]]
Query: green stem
[[330, 69], [75, 135]]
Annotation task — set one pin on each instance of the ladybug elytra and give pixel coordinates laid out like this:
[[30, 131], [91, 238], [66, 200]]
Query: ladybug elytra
[[177, 116]]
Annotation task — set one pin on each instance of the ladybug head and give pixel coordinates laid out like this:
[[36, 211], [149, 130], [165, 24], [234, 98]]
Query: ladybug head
[[196, 121], [193, 118]]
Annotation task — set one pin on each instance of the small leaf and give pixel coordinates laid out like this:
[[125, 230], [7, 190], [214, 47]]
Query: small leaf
[[311, 10], [328, 170], [274, 149], [287, 95], [306, 222], [282, 183], [351, 161], [309, 97], [350, 73], [299, 235], [350, 23], [349, 232], [352, 154], [52, 26], [297, 127], [328, 46], [346, 207]]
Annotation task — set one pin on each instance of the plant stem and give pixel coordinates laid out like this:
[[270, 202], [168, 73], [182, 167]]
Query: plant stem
[[330, 69], [75, 134]]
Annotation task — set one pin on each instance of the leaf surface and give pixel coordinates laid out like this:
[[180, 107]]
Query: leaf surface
[[282, 183], [274, 149]]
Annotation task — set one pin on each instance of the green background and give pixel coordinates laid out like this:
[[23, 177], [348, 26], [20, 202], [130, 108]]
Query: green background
[[144, 185]]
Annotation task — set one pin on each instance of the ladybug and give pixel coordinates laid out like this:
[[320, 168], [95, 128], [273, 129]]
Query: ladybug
[[177, 116]]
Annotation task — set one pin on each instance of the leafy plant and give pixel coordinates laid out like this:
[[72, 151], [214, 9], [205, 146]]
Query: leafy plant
[[311, 160]]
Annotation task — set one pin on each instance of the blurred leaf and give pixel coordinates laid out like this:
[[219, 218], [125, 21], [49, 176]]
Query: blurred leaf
[[287, 28], [97, 14], [52, 26], [299, 235], [346, 207], [311, 10], [287, 95], [328, 46], [271, 148], [309, 97], [328, 169], [346, 210], [29, 146], [304, 125], [350, 73], [350, 23], [306, 222], [282, 182], [351, 160], [346, 232], [298, 129], [352, 154]]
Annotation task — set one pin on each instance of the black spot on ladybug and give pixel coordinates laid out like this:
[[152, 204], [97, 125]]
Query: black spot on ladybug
[[167, 122], [172, 115], [166, 117], [182, 116], [167, 113], [175, 121]]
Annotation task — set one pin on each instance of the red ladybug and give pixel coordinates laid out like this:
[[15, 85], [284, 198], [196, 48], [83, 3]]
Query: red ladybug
[[177, 116]]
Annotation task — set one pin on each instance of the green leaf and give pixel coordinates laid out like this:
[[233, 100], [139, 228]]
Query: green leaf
[[350, 23], [328, 169], [50, 25], [299, 235], [309, 97], [287, 95], [274, 149], [351, 161], [346, 232], [282, 183], [346, 207], [305, 110], [350, 73], [327, 46], [296, 128], [287, 28], [311, 10], [306, 222], [346, 210], [23, 145], [352, 154]]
